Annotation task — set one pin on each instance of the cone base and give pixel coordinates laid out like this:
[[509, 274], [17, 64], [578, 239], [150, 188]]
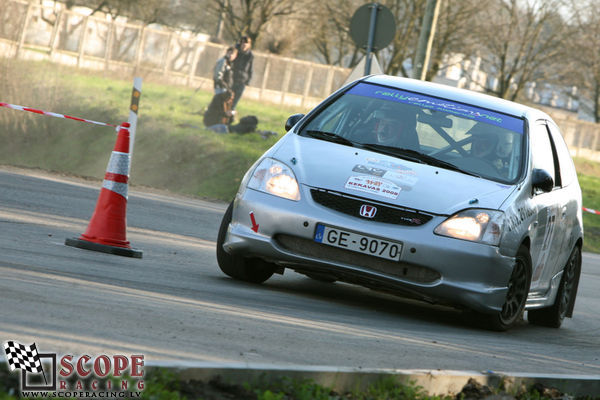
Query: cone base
[[119, 251]]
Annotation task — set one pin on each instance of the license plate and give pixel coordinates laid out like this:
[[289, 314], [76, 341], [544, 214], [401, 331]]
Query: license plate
[[357, 242]]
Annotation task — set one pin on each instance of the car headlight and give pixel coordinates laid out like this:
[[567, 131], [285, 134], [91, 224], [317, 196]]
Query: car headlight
[[274, 177], [475, 225]]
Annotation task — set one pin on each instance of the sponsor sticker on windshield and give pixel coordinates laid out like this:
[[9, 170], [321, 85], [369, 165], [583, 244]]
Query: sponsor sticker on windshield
[[373, 185], [463, 110]]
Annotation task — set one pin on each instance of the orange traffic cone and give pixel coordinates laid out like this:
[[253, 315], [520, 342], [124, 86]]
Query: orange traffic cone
[[106, 230]]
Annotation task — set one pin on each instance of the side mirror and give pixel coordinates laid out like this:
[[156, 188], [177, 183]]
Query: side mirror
[[292, 120], [542, 180]]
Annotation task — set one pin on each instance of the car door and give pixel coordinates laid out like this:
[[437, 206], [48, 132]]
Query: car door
[[568, 205], [547, 233]]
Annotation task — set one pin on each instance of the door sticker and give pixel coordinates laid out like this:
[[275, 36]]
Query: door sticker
[[545, 250]]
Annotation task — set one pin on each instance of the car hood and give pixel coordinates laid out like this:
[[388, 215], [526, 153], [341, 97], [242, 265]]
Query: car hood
[[387, 179]]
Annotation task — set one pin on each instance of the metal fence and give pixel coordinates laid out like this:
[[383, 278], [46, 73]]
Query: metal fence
[[177, 57]]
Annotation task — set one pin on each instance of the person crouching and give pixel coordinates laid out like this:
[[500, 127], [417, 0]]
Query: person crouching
[[219, 114]]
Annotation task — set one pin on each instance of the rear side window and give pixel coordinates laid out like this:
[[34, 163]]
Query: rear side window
[[567, 168], [544, 155]]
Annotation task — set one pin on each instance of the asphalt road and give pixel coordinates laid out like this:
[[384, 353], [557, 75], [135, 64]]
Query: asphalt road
[[175, 304]]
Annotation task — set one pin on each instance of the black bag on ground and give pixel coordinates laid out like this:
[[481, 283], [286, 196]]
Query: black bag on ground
[[247, 124]]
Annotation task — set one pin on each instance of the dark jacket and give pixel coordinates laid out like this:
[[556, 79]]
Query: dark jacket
[[219, 110], [242, 67], [222, 74]]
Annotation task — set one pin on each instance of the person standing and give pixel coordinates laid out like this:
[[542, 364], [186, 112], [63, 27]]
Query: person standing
[[222, 73], [242, 68]]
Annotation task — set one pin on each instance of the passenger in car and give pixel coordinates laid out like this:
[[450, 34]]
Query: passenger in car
[[495, 148], [482, 145], [503, 154]]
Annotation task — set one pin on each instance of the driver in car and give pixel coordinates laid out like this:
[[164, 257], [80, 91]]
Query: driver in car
[[386, 127], [396, 129]]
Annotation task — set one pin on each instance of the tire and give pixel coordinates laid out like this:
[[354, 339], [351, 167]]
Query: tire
[[516, 297], [252, 270], [554, 315]]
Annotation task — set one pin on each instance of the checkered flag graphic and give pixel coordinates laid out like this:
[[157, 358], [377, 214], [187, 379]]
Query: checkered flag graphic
[[22, 357]]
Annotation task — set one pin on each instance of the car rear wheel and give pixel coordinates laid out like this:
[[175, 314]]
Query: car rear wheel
[[554, 315], [252, 270], [516, 297]]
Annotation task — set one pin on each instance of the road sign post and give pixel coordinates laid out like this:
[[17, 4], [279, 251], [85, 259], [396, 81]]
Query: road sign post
[[372, 28], [374, 8]]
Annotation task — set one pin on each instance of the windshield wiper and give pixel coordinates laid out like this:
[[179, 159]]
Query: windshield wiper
[[418, 157], [330, 137], [406, 154], [444, 164]]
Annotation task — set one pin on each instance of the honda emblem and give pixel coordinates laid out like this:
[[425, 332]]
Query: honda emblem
[[368, 211]]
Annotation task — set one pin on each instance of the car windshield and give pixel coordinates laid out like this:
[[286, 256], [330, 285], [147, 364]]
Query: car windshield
[[425, 129]]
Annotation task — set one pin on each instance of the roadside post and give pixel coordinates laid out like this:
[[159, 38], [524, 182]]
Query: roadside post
[[136, 93]]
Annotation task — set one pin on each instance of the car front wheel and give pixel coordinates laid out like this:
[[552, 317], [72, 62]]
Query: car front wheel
[[554, 315], [516, 297], [252, 270]]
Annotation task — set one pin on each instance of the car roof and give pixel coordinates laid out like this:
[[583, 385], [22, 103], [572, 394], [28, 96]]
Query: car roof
[[459, 95]]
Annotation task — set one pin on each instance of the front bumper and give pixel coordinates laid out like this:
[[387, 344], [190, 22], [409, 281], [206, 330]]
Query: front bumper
[[431, 267]]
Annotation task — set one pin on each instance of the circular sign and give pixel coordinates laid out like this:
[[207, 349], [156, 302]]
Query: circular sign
[[385, 26]]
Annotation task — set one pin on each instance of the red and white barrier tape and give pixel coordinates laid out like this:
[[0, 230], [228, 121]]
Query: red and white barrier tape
[[51, 114], [591, 211]]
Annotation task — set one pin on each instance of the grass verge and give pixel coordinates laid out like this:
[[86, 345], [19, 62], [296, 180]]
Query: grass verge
[[591, 222], [164, 384], [173, 151]]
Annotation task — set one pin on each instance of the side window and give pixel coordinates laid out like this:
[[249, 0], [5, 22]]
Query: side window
[[567, 169], [543, 153]]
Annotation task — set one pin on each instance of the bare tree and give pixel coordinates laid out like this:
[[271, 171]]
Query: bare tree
[[454, 33], [330, 33], [520, 42], [585, 69], [329, 37], [408, 15], [147, 11], [250, 17]]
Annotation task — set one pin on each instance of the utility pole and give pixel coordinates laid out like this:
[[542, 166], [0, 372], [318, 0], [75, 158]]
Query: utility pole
[[426, 39]]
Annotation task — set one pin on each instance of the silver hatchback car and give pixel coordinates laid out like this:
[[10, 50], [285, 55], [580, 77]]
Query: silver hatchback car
[[424, 190]]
